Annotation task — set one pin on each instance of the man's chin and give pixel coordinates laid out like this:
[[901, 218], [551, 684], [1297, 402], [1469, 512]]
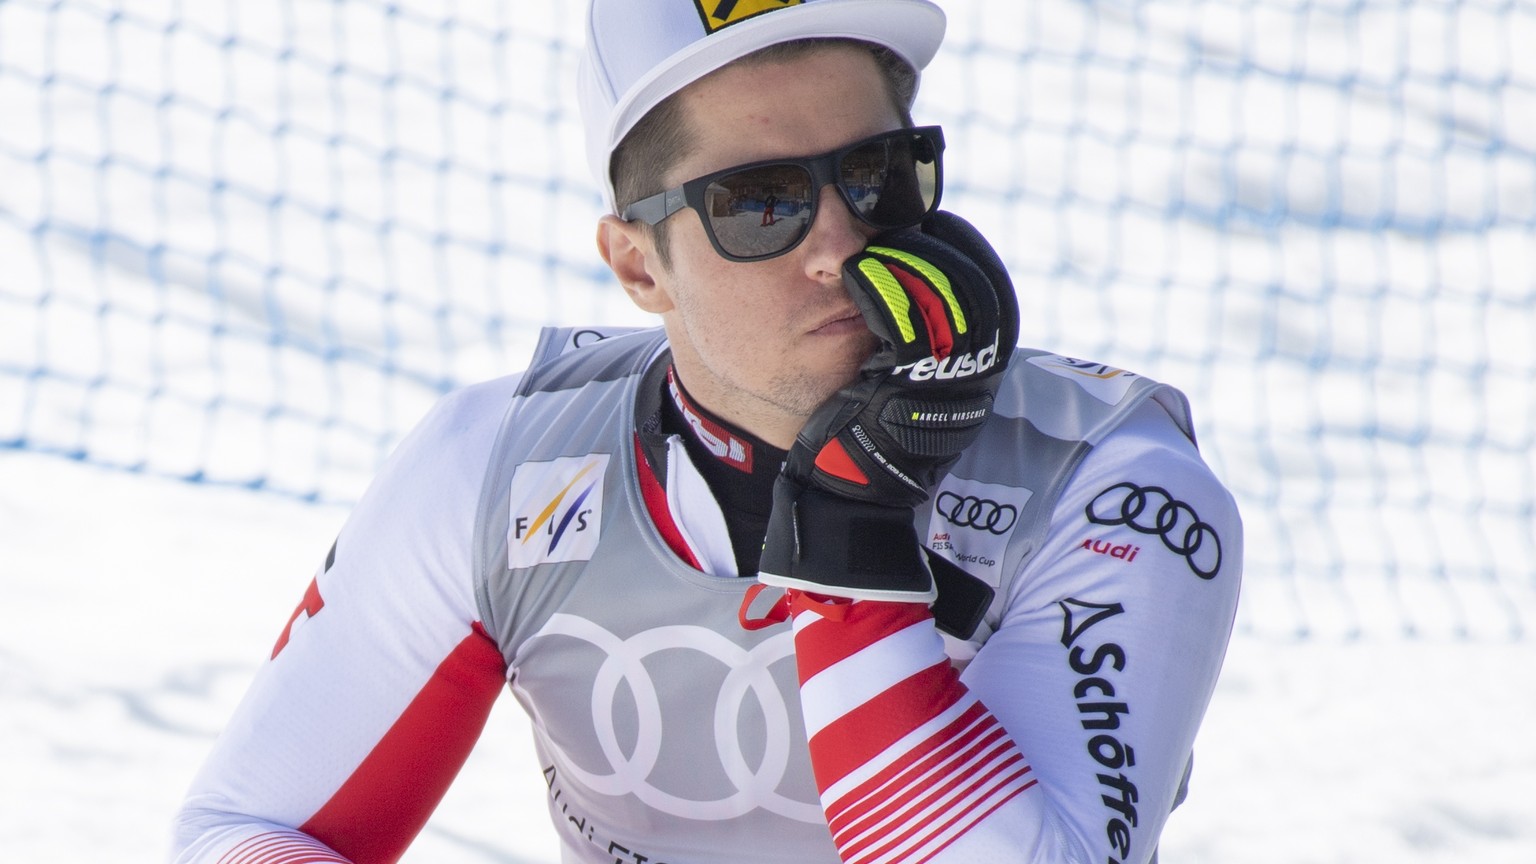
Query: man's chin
[[806, 391]]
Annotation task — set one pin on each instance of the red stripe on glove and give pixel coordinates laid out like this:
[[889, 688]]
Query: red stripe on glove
[[941, 338]]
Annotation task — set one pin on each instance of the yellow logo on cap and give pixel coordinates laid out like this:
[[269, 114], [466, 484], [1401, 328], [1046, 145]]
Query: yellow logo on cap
[[723, 13]]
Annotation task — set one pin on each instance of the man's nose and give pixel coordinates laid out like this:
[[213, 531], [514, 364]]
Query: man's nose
[[835, 236]]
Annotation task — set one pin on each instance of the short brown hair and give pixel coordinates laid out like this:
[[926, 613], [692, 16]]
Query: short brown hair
[[662, 138]]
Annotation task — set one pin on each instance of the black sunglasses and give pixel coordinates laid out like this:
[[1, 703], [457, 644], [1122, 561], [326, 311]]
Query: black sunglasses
[[764, 209]]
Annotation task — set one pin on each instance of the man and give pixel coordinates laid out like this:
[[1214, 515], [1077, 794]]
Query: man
[[821, 570]]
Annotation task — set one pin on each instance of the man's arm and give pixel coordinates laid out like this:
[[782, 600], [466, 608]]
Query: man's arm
[[379, 683], [1111, 643], [913, 763], [1066, 737]]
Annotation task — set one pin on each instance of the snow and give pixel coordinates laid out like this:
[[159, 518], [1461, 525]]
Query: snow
[[137, 608]]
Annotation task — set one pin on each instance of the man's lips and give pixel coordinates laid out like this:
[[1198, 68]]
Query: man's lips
[[840, 322]]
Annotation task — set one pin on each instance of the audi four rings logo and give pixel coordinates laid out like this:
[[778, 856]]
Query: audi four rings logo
[[632, 770], [1151, 510], [983, 514]]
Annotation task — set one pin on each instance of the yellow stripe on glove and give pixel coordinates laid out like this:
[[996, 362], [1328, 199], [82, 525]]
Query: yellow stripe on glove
[[935, 277], [893, 294]]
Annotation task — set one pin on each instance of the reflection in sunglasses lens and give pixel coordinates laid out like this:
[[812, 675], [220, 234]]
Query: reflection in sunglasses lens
[[891, 183], [760, 211], [906, 185]]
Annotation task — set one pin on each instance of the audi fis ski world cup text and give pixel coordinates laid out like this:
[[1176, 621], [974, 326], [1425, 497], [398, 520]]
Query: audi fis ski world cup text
[[972, 522]]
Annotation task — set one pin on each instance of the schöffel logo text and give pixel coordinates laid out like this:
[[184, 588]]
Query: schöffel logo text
[[556, 510], [723, 13], [1099, 706], [953, 366]]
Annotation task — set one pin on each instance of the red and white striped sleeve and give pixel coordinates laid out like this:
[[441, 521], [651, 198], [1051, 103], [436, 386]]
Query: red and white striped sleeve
[[380, 682], [906, 758]]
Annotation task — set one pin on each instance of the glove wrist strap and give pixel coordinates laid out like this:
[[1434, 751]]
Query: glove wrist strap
[[829, 544]]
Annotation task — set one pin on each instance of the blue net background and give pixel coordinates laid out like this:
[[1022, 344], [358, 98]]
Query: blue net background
[[250, 243]]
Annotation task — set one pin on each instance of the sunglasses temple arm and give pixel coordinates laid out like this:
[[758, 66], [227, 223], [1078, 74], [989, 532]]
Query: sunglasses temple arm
[[655, 208]]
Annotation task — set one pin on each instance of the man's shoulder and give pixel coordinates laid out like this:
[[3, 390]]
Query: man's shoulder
[[1104, 382], [568, 357], [565, 358], [1071, 398], [468, 412]]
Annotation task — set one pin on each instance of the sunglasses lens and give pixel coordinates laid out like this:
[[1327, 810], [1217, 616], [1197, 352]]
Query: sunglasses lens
[[761, 210], [892, 182]]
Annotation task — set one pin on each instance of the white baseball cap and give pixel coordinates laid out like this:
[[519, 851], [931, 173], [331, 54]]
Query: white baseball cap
[[639, 52]]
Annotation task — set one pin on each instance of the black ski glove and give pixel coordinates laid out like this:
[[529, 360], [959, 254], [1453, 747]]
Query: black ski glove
[[940, 302]]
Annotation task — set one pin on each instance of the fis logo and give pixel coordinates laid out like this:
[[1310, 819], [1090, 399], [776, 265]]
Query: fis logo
[[723, 13], [953, 366], [556, 510], [1104, 383]]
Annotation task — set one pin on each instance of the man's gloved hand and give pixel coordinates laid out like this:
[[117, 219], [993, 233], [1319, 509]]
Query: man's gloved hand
[[941, 304]]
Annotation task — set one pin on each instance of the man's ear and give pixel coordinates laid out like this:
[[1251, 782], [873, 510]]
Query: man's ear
[[630, 253]]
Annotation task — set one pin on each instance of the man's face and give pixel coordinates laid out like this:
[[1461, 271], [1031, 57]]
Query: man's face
[[763, 343]]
